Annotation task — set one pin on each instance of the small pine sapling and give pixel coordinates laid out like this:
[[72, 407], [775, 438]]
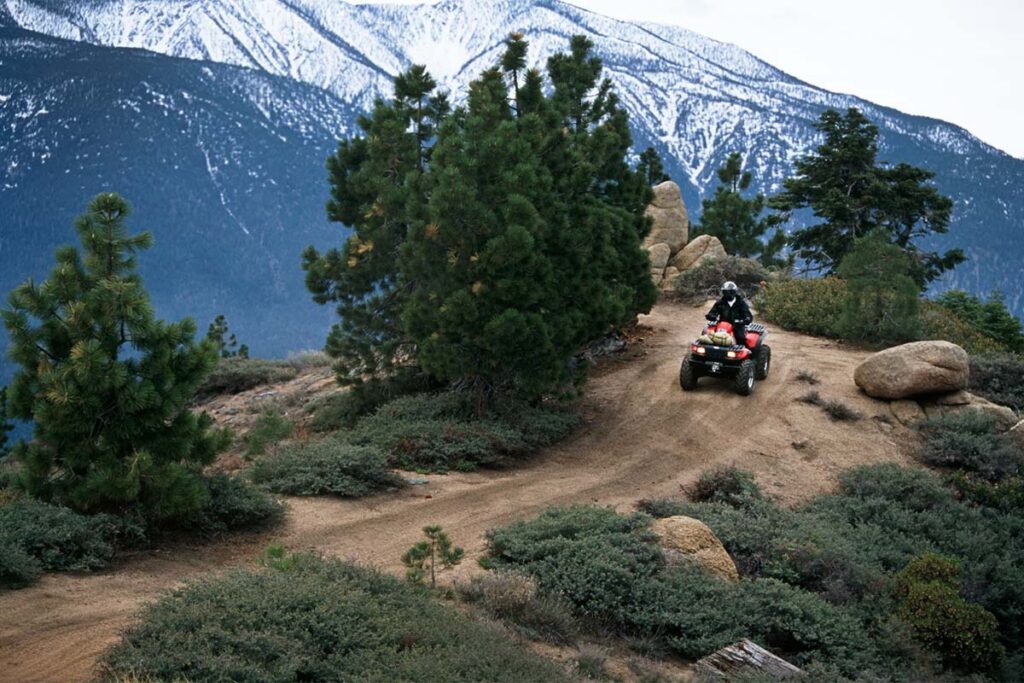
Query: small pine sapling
[[436, 550]]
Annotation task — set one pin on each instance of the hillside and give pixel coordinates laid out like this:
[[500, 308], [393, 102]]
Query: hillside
[[642, 438], [693, 98]]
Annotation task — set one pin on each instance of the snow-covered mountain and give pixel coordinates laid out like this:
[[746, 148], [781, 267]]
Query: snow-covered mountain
[[693, 98]]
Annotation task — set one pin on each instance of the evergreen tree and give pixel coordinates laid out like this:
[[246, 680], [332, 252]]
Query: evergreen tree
[[845, 188], [5, 425], [226, 348], [651, 168], [107, 385], [492, 252], [376, 189], [736, 221], [429, 554], [991, 317], [882, 299]]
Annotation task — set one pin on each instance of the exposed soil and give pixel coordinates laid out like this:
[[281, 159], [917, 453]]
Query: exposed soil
[[642, 437]]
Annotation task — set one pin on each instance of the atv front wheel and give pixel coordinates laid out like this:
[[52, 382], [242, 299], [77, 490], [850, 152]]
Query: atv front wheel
[[687, 375], [764, 361], [743, 383]]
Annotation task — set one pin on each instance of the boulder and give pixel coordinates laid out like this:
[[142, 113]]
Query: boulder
[[659, 255], [1017, 432], [702, 248], [960, 401], [914, 369], [686, 539], [671, 222], [656, 275], [669, 277], [907, 412], [745, 660]]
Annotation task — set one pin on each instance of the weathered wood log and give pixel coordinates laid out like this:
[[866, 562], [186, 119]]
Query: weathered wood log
[[744, 657]]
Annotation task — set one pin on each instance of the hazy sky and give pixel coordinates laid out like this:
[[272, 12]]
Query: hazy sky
[[957, 60]]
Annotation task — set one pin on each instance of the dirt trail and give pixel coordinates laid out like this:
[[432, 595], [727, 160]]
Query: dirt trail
[[643, 437]]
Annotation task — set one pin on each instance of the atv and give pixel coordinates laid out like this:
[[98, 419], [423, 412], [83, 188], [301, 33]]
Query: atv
[[743, 362]]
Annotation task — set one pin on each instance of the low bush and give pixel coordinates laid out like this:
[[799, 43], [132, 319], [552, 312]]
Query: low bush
[[440, 432], [316, 620], [232, 505], [327, 467], [704, 281], [837, 410], [343, 410], [727, 485], [999, 378], [812, 306], [515, 600], [235, 375], [965, 634], [848, 546], [269, 428], [969, 441], [807, 377], [941, 323]]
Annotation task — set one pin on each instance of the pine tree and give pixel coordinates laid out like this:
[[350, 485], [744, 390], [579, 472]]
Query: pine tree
[[377, 190], [5, 425], [428, 555], [106, 384], [992, 317], [852, 195], [492, 251], [736, 221], [651, 168], [226, 348], [882, 299]]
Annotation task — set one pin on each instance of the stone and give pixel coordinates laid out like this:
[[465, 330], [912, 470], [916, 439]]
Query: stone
[[742, 661], [687, 540], [907, 412], [669, 278], [702, 248], [659, 255], [657, 276], [962, 401], [671, 223], [915, 369], [1017, 432]]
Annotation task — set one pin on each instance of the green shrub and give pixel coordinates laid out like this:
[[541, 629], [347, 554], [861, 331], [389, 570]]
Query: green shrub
[[969, 441], [515, 600], [991, 317], [964, 634], [233, 505], [812, 306], [327, 467], [316, 620], [836, 410], [268, 429], [235, 375], [940, 323], [440, 432], [704, 281], [17, 568], [343, 410], [1006, 495], [999, 378], [727, 485]]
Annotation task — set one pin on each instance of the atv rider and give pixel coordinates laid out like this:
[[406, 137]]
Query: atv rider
[[731, 308]]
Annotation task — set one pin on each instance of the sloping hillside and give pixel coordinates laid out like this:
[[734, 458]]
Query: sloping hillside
[[643, 437]]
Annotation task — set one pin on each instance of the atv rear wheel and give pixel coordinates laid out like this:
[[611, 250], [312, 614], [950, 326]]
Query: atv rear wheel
[[688, 375], [763, 361], [743, 383]]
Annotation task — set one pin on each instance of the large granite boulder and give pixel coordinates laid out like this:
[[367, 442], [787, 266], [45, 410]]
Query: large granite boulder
[[914, 369], [659, 254], [964, 401], [702, 248], [671, 222], [689, 540]]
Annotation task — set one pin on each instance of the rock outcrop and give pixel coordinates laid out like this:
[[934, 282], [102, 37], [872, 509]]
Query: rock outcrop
[[914, 369], [669, 232], [702, 248], [689, 540], [963, 401], [1017, 432]]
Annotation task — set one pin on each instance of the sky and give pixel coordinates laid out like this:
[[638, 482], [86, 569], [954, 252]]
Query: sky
[[957, 60]]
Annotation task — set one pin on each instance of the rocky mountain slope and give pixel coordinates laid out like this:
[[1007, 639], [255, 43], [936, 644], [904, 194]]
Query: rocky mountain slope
[[323, 61]]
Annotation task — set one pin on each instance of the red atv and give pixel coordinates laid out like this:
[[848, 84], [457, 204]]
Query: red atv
[[743, 362]]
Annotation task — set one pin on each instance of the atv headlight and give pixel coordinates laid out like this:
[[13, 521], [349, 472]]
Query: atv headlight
[[730, 354], [701, 350]]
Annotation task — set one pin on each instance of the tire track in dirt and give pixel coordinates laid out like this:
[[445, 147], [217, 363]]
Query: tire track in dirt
[[643, 438]]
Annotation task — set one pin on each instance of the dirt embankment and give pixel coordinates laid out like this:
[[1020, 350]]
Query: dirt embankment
[[643, 437]]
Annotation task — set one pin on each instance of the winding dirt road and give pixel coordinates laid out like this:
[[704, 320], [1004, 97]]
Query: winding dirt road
[[643, 437]]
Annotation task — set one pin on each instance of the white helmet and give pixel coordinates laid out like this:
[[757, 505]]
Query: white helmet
[[729, 288]]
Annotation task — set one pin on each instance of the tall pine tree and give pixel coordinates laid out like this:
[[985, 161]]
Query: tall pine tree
[[5, 426], [738, 222], [852, 195], [106, 384]]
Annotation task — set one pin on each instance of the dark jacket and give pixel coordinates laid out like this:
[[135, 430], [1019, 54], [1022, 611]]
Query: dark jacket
[[737, 314]]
